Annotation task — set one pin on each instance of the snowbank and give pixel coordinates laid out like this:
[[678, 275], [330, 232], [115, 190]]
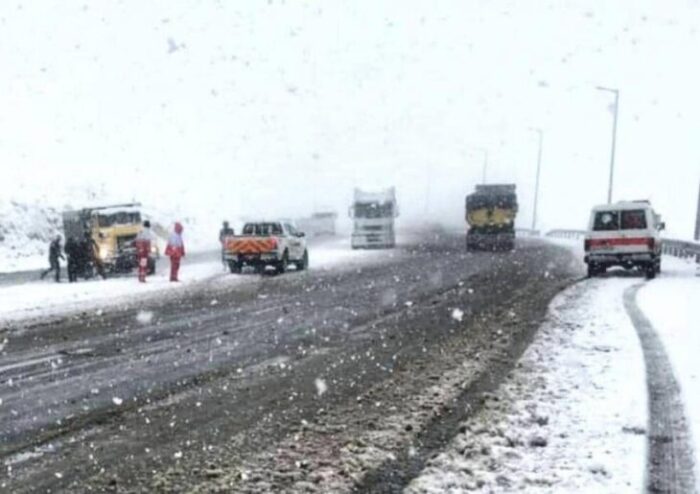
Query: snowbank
[[572, 416], [671, 303], [49, 298]]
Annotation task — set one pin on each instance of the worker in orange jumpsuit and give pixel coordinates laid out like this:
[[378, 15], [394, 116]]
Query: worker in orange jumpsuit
[[176, 251], [143, 249]]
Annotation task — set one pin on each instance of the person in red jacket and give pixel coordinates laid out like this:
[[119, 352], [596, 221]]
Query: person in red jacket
[[175, 250]]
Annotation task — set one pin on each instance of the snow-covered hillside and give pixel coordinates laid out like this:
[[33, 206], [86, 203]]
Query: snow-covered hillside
[[26, 228], [25, 231]]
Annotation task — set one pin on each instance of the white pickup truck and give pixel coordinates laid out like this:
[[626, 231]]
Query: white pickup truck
[[266, 243]]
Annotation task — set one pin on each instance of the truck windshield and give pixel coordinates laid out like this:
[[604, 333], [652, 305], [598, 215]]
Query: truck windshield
[[119, 218], [374, 210], [262, 229]]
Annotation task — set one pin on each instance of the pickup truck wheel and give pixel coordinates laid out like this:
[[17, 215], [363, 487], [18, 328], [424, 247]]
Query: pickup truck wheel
[[304, 263], [282, 265]]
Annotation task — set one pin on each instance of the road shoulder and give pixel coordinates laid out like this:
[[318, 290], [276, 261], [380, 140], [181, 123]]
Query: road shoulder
[[570, 418]]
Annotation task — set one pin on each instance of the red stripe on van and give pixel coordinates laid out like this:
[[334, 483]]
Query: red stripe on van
[[610, 242]]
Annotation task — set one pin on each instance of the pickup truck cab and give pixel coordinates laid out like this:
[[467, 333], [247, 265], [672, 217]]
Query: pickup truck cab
[[266, 243], [624, 234]]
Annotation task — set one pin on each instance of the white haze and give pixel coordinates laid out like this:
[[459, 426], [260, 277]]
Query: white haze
[[253, 108]]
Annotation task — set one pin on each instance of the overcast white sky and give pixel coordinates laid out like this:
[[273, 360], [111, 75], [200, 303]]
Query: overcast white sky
[[276, 107]]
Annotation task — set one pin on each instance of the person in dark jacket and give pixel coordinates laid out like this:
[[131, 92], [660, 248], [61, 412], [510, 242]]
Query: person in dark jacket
[[225, 231], [55, 254], [73, 255]]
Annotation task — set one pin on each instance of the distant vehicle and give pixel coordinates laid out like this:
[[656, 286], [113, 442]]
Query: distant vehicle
[[321, 223], [624, 234], [373, 215], [490, 213], [113, 230], [266, 243]]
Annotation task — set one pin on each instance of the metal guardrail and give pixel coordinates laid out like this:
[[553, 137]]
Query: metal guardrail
[[682, 249], [562, 233], [527, 232]]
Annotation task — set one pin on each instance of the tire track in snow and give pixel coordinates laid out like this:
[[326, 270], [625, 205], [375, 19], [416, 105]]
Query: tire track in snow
[[670, 461]]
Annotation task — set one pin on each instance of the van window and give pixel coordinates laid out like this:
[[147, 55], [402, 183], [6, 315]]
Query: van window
[[606, 221], [635, 219]]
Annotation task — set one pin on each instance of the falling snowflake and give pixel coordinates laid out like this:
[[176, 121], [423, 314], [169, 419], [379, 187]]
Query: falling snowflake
[[321, 386], [144, 317], [457, 315], [178, 455], [117, 401]]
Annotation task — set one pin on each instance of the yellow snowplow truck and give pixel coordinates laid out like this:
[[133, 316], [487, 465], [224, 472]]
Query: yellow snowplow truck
[[107, 235], [490, 213]]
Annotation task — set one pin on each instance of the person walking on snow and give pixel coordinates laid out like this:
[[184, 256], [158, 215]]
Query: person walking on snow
[[226, 231], [175, 250], [54, 255], [72, 250], [143, 242]]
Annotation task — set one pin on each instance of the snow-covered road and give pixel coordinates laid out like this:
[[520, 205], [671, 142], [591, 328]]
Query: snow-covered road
[[574, 415]]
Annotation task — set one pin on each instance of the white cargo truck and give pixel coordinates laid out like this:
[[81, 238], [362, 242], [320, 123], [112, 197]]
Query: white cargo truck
[[373, 216]]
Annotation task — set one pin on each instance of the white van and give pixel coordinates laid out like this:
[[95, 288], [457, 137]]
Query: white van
[[624, 234]]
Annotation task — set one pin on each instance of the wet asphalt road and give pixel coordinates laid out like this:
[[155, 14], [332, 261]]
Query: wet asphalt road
[[102, 403]]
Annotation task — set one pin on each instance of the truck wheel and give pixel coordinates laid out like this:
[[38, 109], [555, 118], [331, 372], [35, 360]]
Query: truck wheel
[[304, 263], [657, 265], [282, 265], [234, 267]]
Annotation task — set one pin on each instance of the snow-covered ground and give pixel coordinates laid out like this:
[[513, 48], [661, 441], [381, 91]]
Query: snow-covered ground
[[49, 298], [570, 418], [672, 304]]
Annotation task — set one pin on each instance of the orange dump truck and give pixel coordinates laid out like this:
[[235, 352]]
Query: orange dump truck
[[267, 243]]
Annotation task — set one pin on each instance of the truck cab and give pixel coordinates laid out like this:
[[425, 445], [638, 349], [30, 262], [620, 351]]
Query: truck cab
[[111, 230], [490, 212], [373, 215], [626, 234]]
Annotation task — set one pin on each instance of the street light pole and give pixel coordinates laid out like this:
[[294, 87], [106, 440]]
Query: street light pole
[[616, 92], [697, 219], [486, 164], [537, 179]]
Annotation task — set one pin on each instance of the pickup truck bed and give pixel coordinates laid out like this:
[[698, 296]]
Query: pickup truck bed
[[278, 250]]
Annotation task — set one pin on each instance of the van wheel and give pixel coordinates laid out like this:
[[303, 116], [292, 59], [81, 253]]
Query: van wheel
[[593, 270], [650, 271]]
